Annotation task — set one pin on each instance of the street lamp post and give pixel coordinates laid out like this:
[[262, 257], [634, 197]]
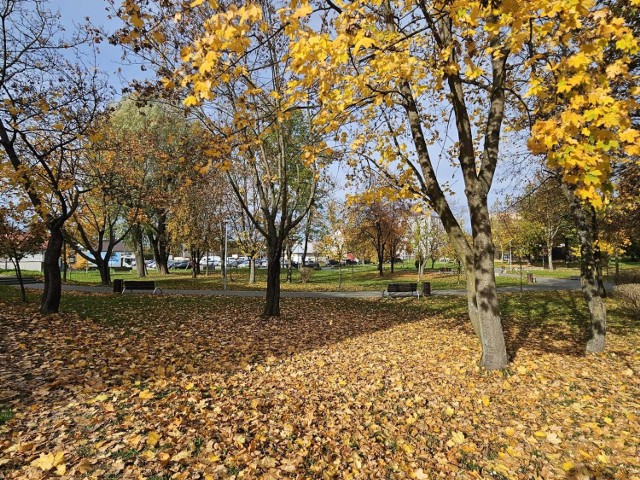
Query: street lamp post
[[224, 259], [510, 257]]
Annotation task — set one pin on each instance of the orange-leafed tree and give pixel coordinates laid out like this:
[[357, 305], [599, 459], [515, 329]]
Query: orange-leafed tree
[[49, 99], [21, 233]]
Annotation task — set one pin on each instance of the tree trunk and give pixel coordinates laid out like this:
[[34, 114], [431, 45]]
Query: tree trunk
[[380, 260], [433, 263], [290, 264], [272, 305], [160, 254], [494, 349], [16, 265], [597, 257], [138, 248], [307, 233], [550, 255], [194, 263], [105, 271], [52, 293], [252, 269], [587, 235]]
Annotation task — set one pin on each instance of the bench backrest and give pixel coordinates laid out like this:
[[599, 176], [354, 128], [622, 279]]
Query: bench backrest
[[402, 287], [139, 284], [11, 280]]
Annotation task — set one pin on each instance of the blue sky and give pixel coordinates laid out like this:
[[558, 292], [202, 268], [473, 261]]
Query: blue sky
[[74, 12]]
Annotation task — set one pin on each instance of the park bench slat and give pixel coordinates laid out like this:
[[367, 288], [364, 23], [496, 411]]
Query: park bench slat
[[140, 285], [14, 280], [400, 289]]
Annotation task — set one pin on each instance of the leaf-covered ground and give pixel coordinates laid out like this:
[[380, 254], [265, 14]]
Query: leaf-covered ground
[[178, 387]]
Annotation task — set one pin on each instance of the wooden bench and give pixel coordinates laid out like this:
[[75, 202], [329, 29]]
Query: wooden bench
[[401, 290], [140, 285], [121, 269], [447, 270], [15, 281]]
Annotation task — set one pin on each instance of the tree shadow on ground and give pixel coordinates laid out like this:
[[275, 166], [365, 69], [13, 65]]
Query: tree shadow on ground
[[107, 340]]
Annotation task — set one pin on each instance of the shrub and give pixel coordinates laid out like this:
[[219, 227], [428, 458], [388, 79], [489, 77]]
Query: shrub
[[305, 274], [629, 294]]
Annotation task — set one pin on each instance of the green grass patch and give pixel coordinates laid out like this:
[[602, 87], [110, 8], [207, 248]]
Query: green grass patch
[[6, 414], [352, 278]]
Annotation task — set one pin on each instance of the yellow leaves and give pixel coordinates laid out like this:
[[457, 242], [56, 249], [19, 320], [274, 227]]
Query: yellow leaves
[[50, 460], [136, 21], [458, 437], [190, 101], [629, 135], [196, 3], [152, 439], [58, 126], [568, 465], [578, 61], [472, 72], [182, 455], [509, 431], [145, 395], [553, 438], [304, 10], [362, 42], [168, 83]]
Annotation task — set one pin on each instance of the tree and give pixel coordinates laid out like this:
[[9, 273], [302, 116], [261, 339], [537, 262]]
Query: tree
[[197, 214], [379, 223], [48, 103], [428, 240], [395, 63], [334, 243], [584, 104], [544, 206], [162, 152], [110, 206], [249, 238], [20, 235], [618, 225], [239, 79]]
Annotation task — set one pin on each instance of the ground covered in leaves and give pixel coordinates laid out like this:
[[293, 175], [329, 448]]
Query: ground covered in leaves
[[177, 387]]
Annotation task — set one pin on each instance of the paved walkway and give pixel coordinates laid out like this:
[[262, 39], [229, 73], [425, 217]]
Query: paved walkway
[[543, 284]]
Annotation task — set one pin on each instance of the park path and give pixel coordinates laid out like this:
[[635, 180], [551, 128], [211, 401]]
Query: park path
[[542, 284]]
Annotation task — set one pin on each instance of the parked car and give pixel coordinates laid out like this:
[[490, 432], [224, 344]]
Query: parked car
[[181, 264], [332, 263], [244, 264], [262, 263]]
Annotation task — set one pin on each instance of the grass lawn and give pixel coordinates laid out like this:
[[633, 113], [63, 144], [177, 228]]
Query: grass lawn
[[357, 278], [629, 271], [181, 387]]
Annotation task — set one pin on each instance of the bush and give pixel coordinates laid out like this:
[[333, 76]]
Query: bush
[[305, 274], [629, 294]]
